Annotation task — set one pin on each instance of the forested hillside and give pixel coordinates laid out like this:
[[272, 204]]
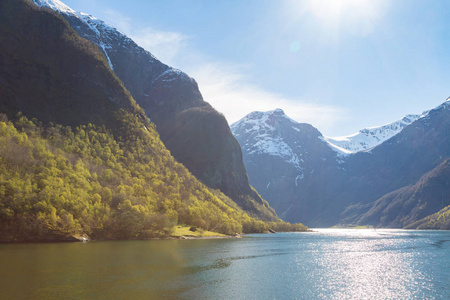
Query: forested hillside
[[410, 204], [83, 159], [439, 220], [57, 182], [196, 134]]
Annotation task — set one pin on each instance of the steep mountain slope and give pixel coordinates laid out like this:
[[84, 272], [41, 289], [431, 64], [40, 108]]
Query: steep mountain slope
[[286, 161], [172, 99], [106, 174], [403, 159], [333, 186], [439, 220], [55, 76], [410, 204], [368, 138]]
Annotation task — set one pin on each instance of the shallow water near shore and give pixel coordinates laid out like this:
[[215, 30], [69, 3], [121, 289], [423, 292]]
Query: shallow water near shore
[[324, 264]]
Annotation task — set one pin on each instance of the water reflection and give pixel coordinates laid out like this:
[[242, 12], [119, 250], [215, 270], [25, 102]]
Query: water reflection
[[358, 268], [369, 264], [326, 264]]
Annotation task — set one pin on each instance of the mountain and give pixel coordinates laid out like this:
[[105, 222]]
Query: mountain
[[55, 76], [196, 134], [286, 161], [400, 161], [439, 220], [368, 138], [406, 157], [78, 157], [303, 176], [405, 206]]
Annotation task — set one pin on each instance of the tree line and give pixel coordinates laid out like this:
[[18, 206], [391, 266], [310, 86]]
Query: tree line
[[57, 182]]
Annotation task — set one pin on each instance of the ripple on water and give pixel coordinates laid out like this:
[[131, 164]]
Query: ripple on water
[[325, 264]]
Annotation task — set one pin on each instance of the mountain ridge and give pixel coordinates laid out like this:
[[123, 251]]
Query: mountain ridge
[[87, 163], [370, 137], [283, 158], [170, 98], [403, 207], [331, 180]]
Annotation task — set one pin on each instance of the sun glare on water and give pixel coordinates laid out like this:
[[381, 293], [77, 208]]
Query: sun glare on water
[[370, 264]]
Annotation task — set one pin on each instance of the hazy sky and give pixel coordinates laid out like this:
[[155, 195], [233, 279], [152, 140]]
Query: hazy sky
[[339, 65]]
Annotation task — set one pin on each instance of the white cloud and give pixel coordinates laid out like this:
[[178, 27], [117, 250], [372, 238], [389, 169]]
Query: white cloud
[[118, 20], [165, 45], [230, 92], [225, 86]]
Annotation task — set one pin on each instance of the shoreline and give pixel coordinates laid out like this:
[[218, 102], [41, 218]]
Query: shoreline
[[78, 240], [211, 237], [208, 235]]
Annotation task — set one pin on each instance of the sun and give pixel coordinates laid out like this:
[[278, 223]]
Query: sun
[[359, 17], [334, 11]]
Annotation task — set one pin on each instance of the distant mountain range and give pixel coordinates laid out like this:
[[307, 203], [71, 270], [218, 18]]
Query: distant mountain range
[[327, 181], [195, 133], [368, 138]]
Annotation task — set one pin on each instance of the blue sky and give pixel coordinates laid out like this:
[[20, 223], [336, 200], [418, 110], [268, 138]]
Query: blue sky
[[339, 65]]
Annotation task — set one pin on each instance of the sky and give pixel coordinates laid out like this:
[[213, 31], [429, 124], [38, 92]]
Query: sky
[[340, 65]]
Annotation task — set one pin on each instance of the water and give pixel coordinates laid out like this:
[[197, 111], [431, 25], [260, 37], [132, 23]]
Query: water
[[326, 264]]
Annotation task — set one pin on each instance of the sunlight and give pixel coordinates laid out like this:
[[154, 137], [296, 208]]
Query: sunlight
[[333, 11], [368, 264], [357, 16]]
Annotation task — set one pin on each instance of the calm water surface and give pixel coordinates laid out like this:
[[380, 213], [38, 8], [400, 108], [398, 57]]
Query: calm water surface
[[325, 264]]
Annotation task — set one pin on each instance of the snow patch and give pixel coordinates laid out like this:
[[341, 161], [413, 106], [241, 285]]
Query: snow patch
[[172, 74], [276, 147], [445, 105], [341, 152], [102, 31], [369, 138], [55, 5], [262, 131], [261, 120]]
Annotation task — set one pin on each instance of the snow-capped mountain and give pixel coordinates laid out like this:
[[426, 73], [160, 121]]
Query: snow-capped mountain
[[55, 5], [283, 157], [261, 127], [307, 179], [194, 132], [398, 165], [105, 36], [371, 137], [99, 32], [368, 138]]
